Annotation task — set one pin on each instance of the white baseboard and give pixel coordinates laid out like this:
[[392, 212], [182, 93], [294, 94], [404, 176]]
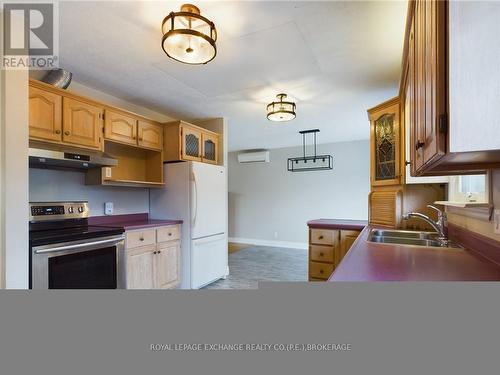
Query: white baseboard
[[256, 242]]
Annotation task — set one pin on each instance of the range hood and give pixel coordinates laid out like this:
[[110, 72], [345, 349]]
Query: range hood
[[68, 159]]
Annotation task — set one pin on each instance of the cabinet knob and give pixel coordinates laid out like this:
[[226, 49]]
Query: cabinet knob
[[407, 162], [320, 237], [141, 239], [321, 254], [419, 145], [159, 251], [66, 132], [154, 252], [169, 234], [58, 131], [320, 271]]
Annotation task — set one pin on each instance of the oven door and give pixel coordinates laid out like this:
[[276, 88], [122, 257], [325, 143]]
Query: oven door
[[85, 264]]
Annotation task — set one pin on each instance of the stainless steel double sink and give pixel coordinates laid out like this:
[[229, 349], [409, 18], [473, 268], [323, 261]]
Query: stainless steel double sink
[[406, 237]]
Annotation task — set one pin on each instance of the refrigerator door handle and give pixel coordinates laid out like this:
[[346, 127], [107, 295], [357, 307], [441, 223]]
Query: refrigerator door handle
[[195, 200]]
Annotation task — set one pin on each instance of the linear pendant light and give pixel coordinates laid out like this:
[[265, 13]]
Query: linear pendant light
[[188, 37], [306, 162], [281, 110]]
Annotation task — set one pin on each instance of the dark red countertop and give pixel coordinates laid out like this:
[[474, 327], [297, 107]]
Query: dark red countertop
[[367, 261], [337, 224], [131, 221]]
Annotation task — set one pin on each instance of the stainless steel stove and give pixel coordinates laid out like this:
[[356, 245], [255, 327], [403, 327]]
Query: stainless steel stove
[[68, 253]]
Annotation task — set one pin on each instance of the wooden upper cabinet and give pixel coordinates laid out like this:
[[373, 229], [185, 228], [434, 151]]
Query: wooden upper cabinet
[[454, 123], [385, 144], [45, 115], [210, 148], [430, 86], [120, 127], [190, 143], [184, 141], [150, 135], [82, 123]]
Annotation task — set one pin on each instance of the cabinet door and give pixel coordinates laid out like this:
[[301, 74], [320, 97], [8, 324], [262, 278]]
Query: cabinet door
[[347, 238], [140, 267], [210, 148], [45, 115], [82, 123], [430, 83], [150, 135], [120, 127], [385, 207], [385, 146], [190, 143], [168, 265]]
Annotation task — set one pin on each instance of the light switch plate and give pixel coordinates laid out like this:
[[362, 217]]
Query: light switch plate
[[108, 208], [496, 220]]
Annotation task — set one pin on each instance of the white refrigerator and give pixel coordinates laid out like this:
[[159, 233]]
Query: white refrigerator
[[196, 193]]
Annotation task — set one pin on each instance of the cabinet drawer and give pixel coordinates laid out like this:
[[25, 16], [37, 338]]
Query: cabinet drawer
[[320, 270], [322, 253], [138, 238], [170, 233], [323, 236]]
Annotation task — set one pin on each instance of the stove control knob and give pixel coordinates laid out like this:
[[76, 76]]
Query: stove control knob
[[70, 210], [80, 209]]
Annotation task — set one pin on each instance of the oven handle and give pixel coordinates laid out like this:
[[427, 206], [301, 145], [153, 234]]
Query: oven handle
[[112, 241]]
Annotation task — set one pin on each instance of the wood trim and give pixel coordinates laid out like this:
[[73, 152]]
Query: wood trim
[[388, 103], [72, 95], [188, 124], [404, 61]]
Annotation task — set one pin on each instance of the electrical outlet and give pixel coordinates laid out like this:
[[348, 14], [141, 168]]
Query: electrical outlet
[[275, 234], [107, 172], [496, 219], [108, 208]]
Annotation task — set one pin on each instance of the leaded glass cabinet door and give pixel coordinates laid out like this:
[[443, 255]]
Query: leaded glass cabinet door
[[210, 148], [385, 144], [191, 143]]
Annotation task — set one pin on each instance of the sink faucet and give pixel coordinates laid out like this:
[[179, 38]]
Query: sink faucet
[[438, 226]]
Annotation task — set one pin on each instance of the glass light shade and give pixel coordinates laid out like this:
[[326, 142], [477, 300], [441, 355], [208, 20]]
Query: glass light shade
[[189, 37], [281, 110]]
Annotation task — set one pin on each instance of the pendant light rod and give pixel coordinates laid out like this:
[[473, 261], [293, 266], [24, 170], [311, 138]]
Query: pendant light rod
[[304, 132]]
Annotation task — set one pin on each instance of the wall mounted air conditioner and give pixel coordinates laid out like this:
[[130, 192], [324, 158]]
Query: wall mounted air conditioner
[[261, 156]]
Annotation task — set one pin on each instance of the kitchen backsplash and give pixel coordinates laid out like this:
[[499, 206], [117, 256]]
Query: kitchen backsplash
[[483, 227], [49, 185]]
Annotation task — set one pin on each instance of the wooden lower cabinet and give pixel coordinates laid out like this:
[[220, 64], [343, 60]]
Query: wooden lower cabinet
[[327, 247], [152, 258], [140, 268]]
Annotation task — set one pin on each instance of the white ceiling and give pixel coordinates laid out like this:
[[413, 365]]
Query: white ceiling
[[335, 59]]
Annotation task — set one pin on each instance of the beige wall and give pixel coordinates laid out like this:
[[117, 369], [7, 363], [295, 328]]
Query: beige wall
[[15, 178], [482, 226], [268, 204]]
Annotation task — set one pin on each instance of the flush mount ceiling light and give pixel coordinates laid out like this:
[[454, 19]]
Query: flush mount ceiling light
[[189, 37], [281, 110]]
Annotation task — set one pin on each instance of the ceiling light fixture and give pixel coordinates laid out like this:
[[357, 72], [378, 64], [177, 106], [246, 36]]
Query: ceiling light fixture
[[281, 110], [189, 37]]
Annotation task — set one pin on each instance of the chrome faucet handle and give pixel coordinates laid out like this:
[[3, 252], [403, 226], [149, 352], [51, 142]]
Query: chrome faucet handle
[[440, 212], [441, 216]]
